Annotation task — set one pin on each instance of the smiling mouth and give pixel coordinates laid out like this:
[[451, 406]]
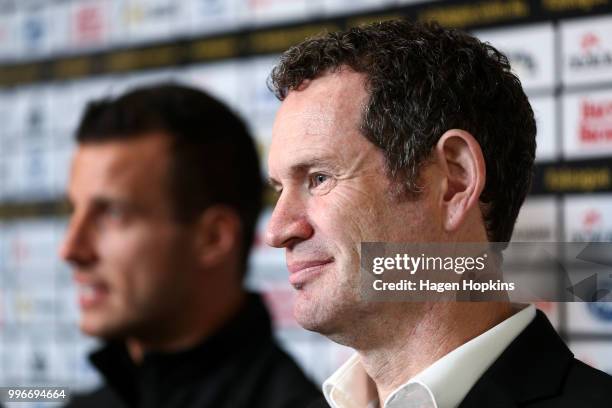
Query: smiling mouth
[[302, 272]]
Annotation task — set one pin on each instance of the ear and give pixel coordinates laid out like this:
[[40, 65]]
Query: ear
[[218, 236], [463, 166]]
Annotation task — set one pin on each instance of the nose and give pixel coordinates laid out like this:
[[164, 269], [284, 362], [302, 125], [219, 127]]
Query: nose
[[77, 247], [289, 223]]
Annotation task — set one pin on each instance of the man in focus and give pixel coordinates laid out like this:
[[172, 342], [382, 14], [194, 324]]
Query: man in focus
[[402, 132], [166, 190]]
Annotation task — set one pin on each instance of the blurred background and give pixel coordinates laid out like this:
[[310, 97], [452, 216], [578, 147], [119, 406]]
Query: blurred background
[[55, 55]]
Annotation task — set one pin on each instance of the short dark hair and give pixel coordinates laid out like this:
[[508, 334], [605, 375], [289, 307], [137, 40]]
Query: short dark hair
[[214, 159], [422, 80]]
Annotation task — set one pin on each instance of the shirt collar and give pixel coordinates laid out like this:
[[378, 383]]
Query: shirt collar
[[444, 384], [350, 386]]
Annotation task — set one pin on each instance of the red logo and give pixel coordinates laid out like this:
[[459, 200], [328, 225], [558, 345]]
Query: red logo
[[593, 54], [595, 121], [89, 24], [591, 219], [588, 41]]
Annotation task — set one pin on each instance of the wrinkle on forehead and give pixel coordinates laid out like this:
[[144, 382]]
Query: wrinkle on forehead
[[340, 97], [322, 123]]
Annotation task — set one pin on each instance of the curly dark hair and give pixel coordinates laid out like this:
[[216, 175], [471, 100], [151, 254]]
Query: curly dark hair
[[422, 80]]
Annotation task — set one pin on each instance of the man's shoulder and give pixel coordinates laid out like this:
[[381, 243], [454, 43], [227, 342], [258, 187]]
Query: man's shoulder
[[586, 386], [281, 382], [587, 376], [538, 370], [267, 375], [101, 397]]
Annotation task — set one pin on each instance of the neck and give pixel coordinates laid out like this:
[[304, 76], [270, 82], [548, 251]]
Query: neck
[[197, 324], [415, 344]]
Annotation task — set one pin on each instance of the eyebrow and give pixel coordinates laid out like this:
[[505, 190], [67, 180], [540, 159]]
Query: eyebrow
[[103, 201], [303, 167]]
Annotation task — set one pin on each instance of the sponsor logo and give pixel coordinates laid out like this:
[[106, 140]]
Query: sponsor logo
[[522, 62], [592, 228], [33, 31], [590, 220], [592, 54], [211, 6], [595, 121], [34, 120], [589, 41], [143, 12], [601, 310], [260, 3], [539, 233], [89, 24]]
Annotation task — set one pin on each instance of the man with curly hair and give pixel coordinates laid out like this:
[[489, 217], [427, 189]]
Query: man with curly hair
[[403, 132]]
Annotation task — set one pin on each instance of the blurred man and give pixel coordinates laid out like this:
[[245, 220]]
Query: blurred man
[[401, 132], [166, 191]]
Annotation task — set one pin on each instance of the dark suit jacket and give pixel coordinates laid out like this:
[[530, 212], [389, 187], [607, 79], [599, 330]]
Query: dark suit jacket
[[537, 370]]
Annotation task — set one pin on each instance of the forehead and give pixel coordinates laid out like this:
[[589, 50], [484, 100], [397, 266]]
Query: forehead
[[132, 165], [322, 117]]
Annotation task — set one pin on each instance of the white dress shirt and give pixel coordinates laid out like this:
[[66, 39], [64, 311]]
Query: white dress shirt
[[443, 384]]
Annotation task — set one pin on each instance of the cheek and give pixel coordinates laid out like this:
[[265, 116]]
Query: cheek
[[332, 221], [135, 261], [356, 213], [123, 248], [342, 222]]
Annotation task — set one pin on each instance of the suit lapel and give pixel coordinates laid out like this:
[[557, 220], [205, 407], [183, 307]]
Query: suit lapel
[[532, 367]]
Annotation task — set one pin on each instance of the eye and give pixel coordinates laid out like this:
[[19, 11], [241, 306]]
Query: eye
[[112, 213], [317, 179], [115, 212]]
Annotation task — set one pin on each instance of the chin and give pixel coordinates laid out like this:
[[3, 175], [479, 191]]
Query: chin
[[311, 323], [318, 305], [324, 325], [305, 311], [96, 327], [333, 314], [90, 330], [313, 314]]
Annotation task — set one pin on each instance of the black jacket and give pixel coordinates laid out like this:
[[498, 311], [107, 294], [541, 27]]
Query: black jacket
[[537, 370], [240, 366]]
